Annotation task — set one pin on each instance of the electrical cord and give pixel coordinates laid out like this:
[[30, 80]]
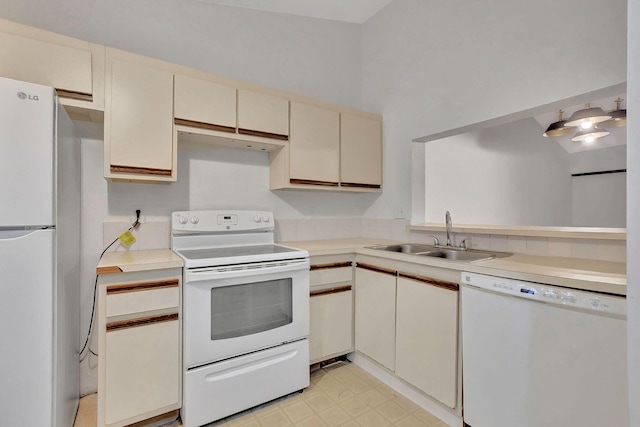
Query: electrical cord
[[95, 289]]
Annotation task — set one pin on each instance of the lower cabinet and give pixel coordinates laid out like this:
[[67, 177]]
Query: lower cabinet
[[375, 315], [140, 375], [331, 308], [408, 323], [427, 336]]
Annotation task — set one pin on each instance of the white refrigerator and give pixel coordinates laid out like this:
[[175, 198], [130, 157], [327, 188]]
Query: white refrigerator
[[39, 258]]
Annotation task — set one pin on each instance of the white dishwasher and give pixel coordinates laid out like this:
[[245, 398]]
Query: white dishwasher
[[536, 355]]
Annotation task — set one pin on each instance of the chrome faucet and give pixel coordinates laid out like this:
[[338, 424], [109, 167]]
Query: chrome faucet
[[447, 219]]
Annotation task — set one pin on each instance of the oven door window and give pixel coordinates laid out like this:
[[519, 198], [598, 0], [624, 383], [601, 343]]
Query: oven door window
[[250, 308]]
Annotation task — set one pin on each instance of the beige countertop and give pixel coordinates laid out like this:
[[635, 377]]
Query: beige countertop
[[576, 273], [119, 262]]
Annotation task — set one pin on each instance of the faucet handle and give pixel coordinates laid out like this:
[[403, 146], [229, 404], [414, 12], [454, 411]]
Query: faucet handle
[[435, 240], [463, 243]]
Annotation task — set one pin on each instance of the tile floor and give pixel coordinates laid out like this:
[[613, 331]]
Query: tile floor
[[341, 394]]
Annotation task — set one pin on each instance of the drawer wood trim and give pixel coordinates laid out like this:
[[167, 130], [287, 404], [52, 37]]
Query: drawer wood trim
[[356, 185], [143, 321], [108, 270], [201, 125], [312, 182], [336, 290], [330, 266], [377, 269], [429, 281], [145, 286], [269, 135], [74, 95], [139, 170]]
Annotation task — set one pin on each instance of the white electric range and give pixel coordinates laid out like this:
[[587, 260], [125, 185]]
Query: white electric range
[[245, 313]]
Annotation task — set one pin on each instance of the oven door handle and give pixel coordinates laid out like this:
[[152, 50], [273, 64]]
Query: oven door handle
[[216, 273]]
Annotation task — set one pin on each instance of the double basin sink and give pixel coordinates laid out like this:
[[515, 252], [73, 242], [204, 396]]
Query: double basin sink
[[450, 253]]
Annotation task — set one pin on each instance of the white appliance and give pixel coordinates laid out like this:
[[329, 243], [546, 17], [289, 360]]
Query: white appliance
[[39, 258], [538, 355], [245, 313]]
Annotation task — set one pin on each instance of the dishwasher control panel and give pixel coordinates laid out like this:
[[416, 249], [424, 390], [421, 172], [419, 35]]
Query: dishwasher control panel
[[579, 299]]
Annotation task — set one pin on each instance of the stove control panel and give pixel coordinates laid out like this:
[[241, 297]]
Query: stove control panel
[[221, 221]]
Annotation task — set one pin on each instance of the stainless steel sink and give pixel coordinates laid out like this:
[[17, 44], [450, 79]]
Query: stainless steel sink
[[406, 248], [456, 255], [453, 254]]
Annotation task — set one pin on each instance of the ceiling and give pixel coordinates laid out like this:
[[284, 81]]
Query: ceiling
[[355, 11]]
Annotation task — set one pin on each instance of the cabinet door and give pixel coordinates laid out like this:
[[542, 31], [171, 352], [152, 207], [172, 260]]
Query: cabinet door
[[427, 338], [202, 102], [142, 369], [263, 115], [65, 68], [139, 121], [360, 151], [376, 316], [314, 147], [331, 324]]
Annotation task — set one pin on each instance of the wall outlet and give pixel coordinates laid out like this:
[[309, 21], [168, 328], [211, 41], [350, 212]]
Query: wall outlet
[[142, 219], [399, 213]]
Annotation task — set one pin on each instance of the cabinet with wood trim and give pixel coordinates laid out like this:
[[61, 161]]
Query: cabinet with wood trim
[[262, 114], [329, 149], [331, 308], [204, 104], [375, 314], [139, 352], [138, 121], [427, 335], [360, 151], [75, 68], [407, 321]]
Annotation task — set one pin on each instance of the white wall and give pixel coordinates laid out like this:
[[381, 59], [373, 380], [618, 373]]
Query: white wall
[[504, 175], [633, 211], [599, 200], [431, 66]]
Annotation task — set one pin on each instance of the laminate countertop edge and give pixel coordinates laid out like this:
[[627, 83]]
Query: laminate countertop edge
[[574, 273], [142, 260]]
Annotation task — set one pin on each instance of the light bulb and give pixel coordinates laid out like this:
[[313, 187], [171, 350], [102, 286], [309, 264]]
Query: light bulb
[[589, 139], [586, 125]]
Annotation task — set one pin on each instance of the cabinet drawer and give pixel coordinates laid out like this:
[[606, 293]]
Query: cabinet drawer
[[330, 273], [134, 298]]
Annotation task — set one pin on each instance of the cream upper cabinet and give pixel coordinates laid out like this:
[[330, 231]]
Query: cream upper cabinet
[[427, 337], [360, 151], [75, 68], [375, 315], [138, 128], [263, 115], [314, 145], [204, 104]]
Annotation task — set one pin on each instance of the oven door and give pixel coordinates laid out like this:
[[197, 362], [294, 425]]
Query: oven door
[[234, 310]]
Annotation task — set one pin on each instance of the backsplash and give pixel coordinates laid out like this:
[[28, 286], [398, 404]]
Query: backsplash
[[156, 235]]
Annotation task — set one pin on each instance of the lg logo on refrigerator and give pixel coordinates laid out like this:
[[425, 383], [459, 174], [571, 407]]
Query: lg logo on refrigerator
[[23, 95]]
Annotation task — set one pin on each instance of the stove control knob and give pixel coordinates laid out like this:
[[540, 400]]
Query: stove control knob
[[195, 220], [265, 218], [183, 219], [256, 218]]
